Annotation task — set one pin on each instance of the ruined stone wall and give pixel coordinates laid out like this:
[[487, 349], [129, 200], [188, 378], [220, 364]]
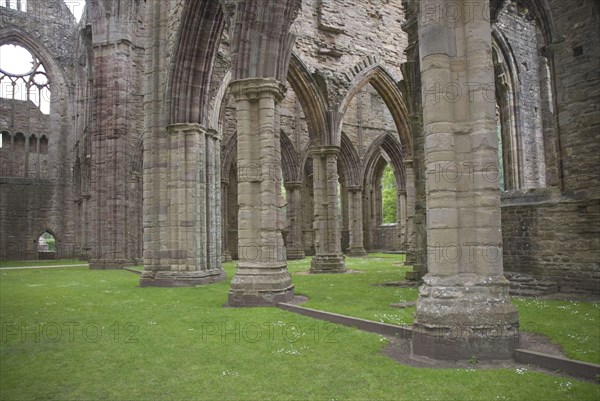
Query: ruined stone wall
[[577, 82], [520, 30], [40, 199], [336, 36], [554, 239], [553, 233]]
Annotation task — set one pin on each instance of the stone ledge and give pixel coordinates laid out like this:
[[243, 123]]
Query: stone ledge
[[571, 367], [361, 324], [172, 279]]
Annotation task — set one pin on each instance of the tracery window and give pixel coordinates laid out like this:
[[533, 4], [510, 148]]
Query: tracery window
[[23, 77], [19, 5]]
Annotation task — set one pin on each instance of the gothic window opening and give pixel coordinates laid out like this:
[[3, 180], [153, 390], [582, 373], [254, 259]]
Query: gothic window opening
[[44, 145], [389, 195], [4, 140], [24, 78]]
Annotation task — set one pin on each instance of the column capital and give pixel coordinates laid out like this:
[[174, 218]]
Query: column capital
[[401, 191], [354, 188], [174, 129], [408, 163], [257, 88], [292, 185], [328, 150]]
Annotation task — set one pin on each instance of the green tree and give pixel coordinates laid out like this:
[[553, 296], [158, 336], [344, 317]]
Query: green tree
[[388, 195]]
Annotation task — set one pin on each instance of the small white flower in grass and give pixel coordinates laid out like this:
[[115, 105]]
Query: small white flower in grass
[[565, 386], [469, 370], [151, 323], [520, 371], [229, 373]]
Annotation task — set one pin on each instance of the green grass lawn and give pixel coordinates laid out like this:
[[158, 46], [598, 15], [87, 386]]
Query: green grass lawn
[[25, 263], [73, 333]]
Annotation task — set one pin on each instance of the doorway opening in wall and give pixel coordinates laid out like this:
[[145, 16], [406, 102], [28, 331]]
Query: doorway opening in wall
[[389, 195], [46, 246]]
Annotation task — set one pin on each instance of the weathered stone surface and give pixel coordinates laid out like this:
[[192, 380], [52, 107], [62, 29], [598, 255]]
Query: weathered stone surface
[[463, 309], [262, 278]]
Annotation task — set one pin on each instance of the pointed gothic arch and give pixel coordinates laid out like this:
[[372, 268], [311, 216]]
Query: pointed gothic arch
[[390, 92], [199, 36]]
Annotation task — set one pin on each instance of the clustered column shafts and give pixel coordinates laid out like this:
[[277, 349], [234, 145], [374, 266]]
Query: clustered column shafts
[[191, 220], [355, 208], [294, 248], [328, 253], [262, 278], [410, 239], [110, 148], [401, 217], [463, 309], [226, 255]]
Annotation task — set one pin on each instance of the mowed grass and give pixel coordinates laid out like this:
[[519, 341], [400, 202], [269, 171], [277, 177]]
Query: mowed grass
[[25, 263], [572, 324], [78, 334]]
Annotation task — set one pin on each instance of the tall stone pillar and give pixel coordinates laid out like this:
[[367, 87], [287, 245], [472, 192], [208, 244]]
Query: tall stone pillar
[[111, 127], [225, 254], [190, 220], [328, 248], [357, 248], [463, 309], [262, 278], [410, 240], [295, 247], [401, 214]]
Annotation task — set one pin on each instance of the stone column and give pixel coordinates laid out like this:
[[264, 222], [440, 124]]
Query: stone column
[[262, 278], [357, 248], [463, 309], [401, 213], [410, 238], [226, 255], [328, 253], [26, 156], [295, 247], [189, 252]]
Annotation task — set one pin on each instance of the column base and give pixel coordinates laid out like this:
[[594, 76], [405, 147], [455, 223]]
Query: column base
[[464, 316], [226, 257], [357, 252], [295, 254], [150, 278], [328, 264], [463, 343], [414, 275], [105, 264], [259, 285], [242, 298]]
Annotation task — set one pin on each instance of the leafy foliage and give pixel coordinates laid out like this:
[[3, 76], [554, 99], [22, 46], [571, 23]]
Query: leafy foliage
[[388, 196]]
